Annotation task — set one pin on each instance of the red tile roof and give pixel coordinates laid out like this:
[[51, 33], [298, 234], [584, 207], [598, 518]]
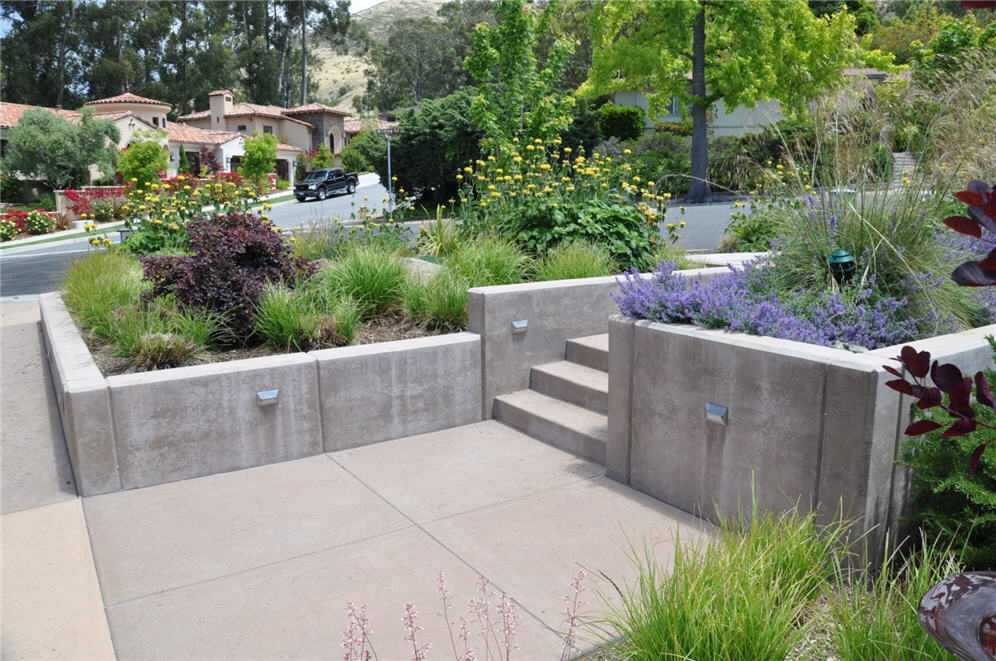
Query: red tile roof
[[313, 108], [354, 125], [192, 134], [121, 114], [10, 113], [128, 97], [282, 147], [219, 93], [247, 110]]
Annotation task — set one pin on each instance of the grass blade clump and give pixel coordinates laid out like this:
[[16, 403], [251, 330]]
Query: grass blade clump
[[487, 260], [97, 287], [439, 302], [285, 319], [874, 616], [372, 277], [568, 261], [744, 595]]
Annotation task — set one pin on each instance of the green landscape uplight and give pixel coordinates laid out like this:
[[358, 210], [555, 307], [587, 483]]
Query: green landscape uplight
[[842, 265]]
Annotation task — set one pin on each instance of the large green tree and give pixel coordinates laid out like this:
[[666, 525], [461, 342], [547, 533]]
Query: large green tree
[[59, 151], [516, 93], [736, 52]]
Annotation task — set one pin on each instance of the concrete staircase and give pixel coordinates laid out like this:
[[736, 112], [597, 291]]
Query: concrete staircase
[[902, 161], [567, 401]]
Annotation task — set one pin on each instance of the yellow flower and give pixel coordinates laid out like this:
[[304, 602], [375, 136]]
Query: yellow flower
[[517, 159], [141, 208], [134, 180], [627, 151], [530, 148], [567, 150], [682, 223], [459, 177], [394, 178], [292, 239], [570, 189], [667, 196]]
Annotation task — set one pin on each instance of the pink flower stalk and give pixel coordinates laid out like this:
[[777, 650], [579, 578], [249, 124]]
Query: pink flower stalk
[[356, 637], [409, 619], [444, 613], [572, 604]]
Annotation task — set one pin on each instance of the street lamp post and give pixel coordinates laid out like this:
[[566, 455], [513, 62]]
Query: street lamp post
[[389, 133]]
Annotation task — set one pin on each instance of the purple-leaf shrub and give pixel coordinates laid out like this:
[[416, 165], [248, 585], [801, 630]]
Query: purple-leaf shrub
[[234, 255], [949, 385], [981, 218]]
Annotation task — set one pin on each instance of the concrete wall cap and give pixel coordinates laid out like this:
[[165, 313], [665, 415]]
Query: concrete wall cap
[[395, 345], [210, 369]]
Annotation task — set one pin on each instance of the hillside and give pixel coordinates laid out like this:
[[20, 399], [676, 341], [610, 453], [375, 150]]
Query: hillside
[[342, 77]]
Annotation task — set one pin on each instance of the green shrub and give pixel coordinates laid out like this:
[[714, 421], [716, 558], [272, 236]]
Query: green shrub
[[157, 334], [259, 158], [574, 259], [487, 260], [623, 122], [438, 302], [10, 189], [754, 230], [669, 252], [142, 161], [102, 211], [8, 229], [659, 158], [364, 152], [949, 505], [46, 201], [282, 184], [323, 158], [439, 237], [94, 287], [372, 277], [39, 222], [163, 350]]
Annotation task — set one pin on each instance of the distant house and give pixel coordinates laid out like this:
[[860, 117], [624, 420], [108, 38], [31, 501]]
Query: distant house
[[739, 121], [306, 127], [354, 125], [134, 115]]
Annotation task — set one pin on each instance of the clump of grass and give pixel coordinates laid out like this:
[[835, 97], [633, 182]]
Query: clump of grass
[[97, 287], [439, 302], [669, 252], [741, 596], [155, 351], [284, 319], [875, 616], [439, 237], [372, 277], [571, 260], [487, 260], [304, 318]]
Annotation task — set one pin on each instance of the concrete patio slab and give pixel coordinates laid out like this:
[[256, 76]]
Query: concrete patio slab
[[537, 543], [51, 601], [167, 536], [431, 476], [34, 464], [295, 609]]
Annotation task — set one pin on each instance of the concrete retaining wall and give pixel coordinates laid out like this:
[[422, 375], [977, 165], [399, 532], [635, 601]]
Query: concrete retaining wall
[[555, 311], [377, 392], [805, 423], [137, 430]]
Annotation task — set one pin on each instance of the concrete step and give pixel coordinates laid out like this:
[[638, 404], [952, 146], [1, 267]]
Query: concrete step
[[591, 351], [574, 383], [563, 425]]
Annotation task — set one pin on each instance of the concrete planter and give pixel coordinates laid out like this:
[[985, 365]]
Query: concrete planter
[[804, 423], [137, 430]]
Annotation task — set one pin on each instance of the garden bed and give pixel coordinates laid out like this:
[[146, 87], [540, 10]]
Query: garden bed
[[798, 422]]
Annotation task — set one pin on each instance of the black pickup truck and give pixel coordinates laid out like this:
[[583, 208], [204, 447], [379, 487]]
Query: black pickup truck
[[322, 183]]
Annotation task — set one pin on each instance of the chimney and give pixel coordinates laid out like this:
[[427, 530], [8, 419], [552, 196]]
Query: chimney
[[221, 105]]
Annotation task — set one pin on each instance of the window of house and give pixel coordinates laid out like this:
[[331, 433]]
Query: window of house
[[267, 128], [3, 148], [242, 128], [675, 108]]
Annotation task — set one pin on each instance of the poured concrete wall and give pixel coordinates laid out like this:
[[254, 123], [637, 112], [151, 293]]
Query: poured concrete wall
[[377, 392], [555, 311], [192, 421], [806, 424], [137, 430]]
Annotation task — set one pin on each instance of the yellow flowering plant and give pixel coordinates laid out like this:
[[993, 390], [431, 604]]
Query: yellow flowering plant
[[540, 194]]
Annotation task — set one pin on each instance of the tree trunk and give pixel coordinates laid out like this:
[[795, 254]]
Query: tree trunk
[[699, 189], [183, 61], [304, 52], [62, 55], [284, 90]]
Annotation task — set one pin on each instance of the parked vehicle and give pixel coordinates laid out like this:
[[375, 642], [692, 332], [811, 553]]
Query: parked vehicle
[[324, 182]]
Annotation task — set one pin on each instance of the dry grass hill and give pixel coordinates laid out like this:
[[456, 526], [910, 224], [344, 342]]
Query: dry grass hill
[[342, 77]]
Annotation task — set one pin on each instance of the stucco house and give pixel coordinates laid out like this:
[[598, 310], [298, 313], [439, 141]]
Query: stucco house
[[134, 115], [306, 127]]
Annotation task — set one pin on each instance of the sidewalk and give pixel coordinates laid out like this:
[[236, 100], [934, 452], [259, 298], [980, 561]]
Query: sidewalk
[[259, 563]]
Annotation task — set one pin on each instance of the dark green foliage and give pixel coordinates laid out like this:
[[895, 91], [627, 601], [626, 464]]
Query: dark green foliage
[[660, 158], [233, 257], [583, 132], [365, 152], [623, 122], [947, 503], [432, 144], [10, 189]]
